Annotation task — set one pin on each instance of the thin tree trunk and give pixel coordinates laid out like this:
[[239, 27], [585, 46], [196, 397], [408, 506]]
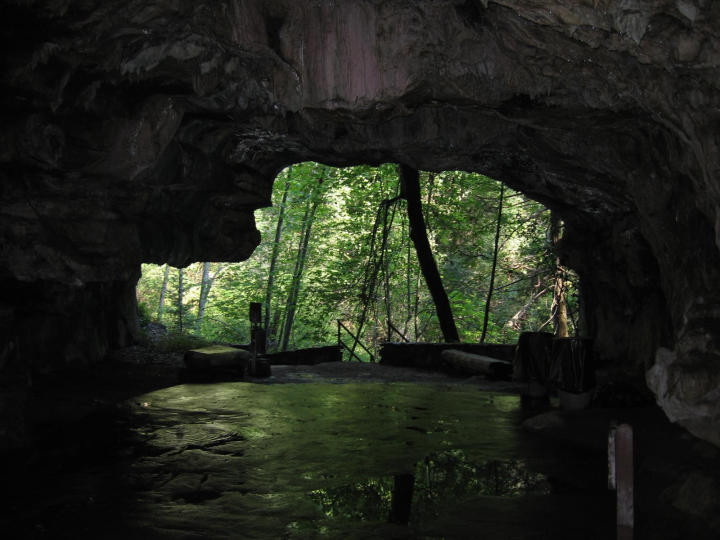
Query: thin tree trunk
[[180, 300], [275, 252], [516, 320], [163, 289], [581, 325], [560, 317], [416, 307], [494, 264], [204, 291], [205, 287], [431, 188], [375, 262], [385, 261], [297, 278], [275, 324], [386, 272], [283, 337], [410, 181], [299, 267], [408, 278]]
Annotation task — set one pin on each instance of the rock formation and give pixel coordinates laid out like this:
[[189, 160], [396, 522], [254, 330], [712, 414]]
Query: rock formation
[[150, 130]]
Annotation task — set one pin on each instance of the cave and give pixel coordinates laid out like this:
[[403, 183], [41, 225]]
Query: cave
[[150, 131]]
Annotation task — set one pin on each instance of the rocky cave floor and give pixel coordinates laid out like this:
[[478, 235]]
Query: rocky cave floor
[[124, 449]]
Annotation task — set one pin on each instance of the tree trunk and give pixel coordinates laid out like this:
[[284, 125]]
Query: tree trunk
[[408, 282], [275, 252], [297, 278], [416, 307], [180, 300], [374, 264], [486, 318], [410, 182], [559, 301], [163, 289], [287, 320], [516, 320], [386, 275], [294, 293], [390, 205], [204, 292], [275, 325], [205, 287]]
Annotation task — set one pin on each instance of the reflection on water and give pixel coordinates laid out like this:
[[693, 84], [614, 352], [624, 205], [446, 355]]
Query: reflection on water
[[440, 479], [372, 460]]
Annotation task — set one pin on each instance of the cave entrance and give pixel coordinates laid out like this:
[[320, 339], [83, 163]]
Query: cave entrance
[[336, 250]]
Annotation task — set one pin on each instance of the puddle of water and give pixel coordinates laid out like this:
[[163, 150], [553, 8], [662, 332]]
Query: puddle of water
[[371, 460], [441, 479]]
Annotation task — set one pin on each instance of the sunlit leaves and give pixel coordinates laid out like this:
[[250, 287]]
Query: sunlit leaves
[[460, 209]]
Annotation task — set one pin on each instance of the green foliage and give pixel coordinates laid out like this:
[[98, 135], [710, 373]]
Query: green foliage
[[461, 212], [144, 314], [174, 342]]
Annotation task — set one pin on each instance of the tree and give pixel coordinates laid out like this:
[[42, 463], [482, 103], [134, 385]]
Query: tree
[[494, 264], [180, 292], [559, 305], [311, 207], [327, 279], [204, 293], [377, 261], [205, 286], [410, 183], [276, 250], [163, 289]]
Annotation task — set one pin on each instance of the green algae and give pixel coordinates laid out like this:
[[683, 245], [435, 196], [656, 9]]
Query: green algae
[[320, 460]]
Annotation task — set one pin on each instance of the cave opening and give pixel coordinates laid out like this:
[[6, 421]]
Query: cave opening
[[336, 247], [152, 134]]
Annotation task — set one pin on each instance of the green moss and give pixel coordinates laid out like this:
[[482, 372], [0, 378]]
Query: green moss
[[175, 342]]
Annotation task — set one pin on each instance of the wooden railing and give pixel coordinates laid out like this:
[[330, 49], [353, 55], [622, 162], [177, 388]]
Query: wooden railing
[[356, 341], [398, 332]]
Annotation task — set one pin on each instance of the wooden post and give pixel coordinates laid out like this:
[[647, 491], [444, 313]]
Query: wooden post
[[255, 335], [255, 312], [534, 351], [621, 477]]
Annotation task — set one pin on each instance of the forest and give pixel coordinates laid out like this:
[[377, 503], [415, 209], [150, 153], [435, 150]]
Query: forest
[[336, 246]]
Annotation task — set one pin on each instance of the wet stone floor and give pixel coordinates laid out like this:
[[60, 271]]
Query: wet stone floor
[[314, 460]]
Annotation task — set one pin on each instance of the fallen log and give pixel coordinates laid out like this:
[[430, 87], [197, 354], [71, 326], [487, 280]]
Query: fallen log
[[311, 356], [478, 364]]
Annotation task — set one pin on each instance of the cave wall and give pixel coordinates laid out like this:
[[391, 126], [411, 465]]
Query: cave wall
[[150, 131]]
